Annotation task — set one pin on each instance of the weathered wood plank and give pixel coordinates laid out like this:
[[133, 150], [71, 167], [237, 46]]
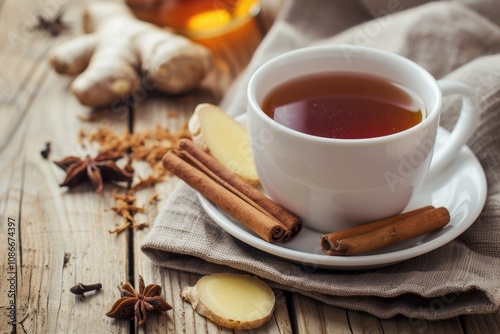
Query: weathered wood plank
[[23, 51], [313, 317], [361, 322], [61, 236], [482, 323], [158, 110], [152, 112], [402, 324]]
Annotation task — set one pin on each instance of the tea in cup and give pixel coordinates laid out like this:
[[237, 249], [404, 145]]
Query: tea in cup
[[344, 105], [343, 135]]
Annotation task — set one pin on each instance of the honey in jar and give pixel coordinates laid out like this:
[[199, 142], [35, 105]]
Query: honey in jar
[[196, 18]]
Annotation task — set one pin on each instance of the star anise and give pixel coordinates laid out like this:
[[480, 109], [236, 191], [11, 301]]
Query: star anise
[[97, 170], [132, 304], [54, 26]]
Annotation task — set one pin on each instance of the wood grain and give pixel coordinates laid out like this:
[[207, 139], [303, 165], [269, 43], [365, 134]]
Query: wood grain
[[313, 317], [61, 236]]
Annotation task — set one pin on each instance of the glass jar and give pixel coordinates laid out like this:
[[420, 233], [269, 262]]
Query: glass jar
[[196, 19]]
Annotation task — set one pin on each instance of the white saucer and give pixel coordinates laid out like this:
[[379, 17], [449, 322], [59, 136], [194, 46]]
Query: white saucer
[[461, 188]]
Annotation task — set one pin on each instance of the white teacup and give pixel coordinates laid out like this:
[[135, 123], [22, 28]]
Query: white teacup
[[337, 183]]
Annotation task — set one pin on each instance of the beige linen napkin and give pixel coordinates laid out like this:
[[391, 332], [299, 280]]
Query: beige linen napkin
[[455, 40]]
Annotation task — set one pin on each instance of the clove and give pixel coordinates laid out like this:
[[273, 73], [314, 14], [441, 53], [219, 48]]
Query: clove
[[54, 26], [46, 151], [80, 288]]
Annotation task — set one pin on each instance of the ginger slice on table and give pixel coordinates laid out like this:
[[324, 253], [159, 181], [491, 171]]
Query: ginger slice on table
[[225, 139], [117, 47], [233, 301]]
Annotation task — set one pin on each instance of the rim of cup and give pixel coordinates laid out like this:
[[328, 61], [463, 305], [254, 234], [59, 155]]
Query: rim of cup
[[340, 50]]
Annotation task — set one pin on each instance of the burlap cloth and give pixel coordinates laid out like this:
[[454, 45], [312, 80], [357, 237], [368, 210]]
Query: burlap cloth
[[453, 39]]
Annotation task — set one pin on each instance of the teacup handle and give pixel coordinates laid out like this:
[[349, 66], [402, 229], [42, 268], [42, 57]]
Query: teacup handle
[[464, 127]]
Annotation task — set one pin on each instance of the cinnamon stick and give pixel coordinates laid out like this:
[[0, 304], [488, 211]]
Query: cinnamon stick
[[410, 226], [291, 221], [189, 158], [328, 240], [263, 224]]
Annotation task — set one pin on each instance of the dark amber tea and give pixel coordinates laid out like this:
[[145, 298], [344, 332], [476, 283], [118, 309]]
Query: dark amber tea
[[344, 105]]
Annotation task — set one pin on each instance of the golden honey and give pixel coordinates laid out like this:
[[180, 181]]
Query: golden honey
[[196, 18]]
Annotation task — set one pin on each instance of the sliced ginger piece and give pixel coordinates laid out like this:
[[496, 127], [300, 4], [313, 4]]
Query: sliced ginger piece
[[225, 139], [230, 300]]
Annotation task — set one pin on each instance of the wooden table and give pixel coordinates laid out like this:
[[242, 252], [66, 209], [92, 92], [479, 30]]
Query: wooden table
[[53, 238]]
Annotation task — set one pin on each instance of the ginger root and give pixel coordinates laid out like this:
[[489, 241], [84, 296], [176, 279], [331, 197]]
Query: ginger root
[[119, 54], [233, 301], [225, 139]]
